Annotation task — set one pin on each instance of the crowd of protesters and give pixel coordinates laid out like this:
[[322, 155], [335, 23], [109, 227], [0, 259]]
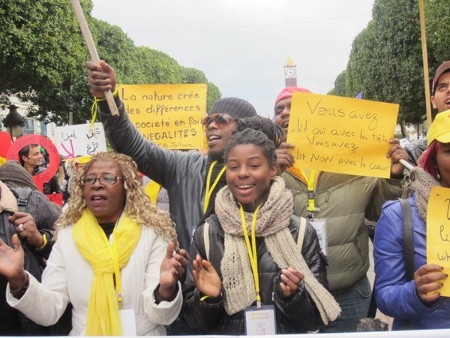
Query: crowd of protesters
[[241, 232]]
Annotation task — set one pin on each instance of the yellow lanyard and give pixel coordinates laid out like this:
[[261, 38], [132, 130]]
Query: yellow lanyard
[[112, 247], [251, 249], [311, 194], [209, 190]]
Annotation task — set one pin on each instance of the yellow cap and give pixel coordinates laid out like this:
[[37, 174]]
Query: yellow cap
[[82, 159], [440, 128]]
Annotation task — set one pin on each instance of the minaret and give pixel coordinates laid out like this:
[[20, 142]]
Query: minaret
[[290, 73]]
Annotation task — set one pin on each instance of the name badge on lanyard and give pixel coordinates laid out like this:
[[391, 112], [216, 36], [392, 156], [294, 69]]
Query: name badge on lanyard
[[260, 321]]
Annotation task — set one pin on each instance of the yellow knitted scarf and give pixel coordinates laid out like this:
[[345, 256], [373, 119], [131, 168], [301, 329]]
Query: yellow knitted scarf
[[103, 317]]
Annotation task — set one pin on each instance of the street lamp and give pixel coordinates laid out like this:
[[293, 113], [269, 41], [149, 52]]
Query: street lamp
[[14, 122]]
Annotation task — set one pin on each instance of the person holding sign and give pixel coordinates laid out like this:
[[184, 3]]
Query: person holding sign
[[113, 258], [337, 205], [417, 303], [190, 178], [258, 269]]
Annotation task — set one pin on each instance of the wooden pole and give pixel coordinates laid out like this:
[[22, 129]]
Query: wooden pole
[[426, 79], [92, 50]]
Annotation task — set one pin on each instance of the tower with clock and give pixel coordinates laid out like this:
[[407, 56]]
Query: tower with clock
[[290, 73]]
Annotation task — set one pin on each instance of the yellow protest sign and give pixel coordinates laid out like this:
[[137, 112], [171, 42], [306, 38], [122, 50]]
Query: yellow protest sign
[[168, 114], [438, 232], [342, 135]]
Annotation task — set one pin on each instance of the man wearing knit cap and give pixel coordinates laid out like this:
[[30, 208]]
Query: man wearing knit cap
[[190, 178], [337, 205]]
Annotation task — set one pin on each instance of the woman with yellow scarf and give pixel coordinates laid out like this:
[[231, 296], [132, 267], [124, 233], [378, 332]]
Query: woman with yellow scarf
[[114, 258]]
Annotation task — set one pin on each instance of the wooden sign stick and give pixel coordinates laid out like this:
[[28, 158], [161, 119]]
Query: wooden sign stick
[[92, 50]]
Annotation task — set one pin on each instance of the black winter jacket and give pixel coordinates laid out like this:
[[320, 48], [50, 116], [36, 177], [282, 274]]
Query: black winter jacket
[[296, 315]]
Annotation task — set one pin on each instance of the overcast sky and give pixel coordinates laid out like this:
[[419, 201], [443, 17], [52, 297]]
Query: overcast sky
[[242, 45]]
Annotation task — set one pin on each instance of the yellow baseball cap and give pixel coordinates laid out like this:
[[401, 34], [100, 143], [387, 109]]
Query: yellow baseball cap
[[440, 128]]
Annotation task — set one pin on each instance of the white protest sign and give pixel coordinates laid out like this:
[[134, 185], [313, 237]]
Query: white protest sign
[[79, 140]]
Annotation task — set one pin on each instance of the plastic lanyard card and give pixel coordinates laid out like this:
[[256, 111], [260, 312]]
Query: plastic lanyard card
[[260, 321], [320, 224]]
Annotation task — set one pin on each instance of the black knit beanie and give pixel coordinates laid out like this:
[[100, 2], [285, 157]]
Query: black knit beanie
[[14, 175], [237, 108]]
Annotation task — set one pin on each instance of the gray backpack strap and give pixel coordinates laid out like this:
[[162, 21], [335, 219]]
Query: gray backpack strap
[[301, 233], [408, 238], [22, 194]]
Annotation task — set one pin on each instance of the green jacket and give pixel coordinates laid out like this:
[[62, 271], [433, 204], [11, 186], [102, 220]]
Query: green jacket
[[344, 201]]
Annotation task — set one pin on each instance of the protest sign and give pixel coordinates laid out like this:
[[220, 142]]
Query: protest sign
[[79, 140], [438, 232], [342, 135], [47, 144], [167, 114]]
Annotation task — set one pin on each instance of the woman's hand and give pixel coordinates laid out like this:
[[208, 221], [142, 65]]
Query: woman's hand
[[26, 228], [12, 262], [428, 279], [206, 277], [173, 268], [290, 281]]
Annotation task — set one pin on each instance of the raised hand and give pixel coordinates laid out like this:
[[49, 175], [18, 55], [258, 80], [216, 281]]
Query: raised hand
[[100, 78], [206, 277], [284, 157], [12, 262], [173, 268], [396, 153]]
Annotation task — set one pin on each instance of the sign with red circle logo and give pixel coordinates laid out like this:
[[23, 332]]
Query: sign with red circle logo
[[52, 168]]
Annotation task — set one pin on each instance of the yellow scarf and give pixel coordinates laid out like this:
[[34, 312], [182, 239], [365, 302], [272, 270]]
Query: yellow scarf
[[152, 190], [106, 259]]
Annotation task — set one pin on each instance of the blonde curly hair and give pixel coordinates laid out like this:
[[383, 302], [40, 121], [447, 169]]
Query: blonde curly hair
[[137, 204]]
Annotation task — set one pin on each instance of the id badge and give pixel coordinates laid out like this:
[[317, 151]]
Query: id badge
[[320, 224], [128, 321], [260, 321]]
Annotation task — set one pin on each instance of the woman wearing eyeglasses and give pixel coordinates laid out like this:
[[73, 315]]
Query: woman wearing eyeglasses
[[114, 258]]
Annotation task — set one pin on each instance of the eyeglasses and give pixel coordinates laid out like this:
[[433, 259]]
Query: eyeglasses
[[105, 179], [218, 118]]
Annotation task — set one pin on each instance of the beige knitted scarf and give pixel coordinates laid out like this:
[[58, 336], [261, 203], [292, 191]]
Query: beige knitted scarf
[[272, 224], [420, 184]]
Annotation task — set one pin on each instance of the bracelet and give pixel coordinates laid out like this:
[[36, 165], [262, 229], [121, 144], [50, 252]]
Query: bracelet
[[44, 238], [210, 299]]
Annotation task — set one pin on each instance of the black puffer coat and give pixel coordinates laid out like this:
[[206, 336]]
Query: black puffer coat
[[296, 315]]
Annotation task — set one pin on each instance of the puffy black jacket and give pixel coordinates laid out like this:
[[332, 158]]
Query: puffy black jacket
[[298, 314]]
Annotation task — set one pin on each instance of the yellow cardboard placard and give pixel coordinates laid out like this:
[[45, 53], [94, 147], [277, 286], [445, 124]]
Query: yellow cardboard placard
[[342, 135], [438, 232], [168, 114]]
